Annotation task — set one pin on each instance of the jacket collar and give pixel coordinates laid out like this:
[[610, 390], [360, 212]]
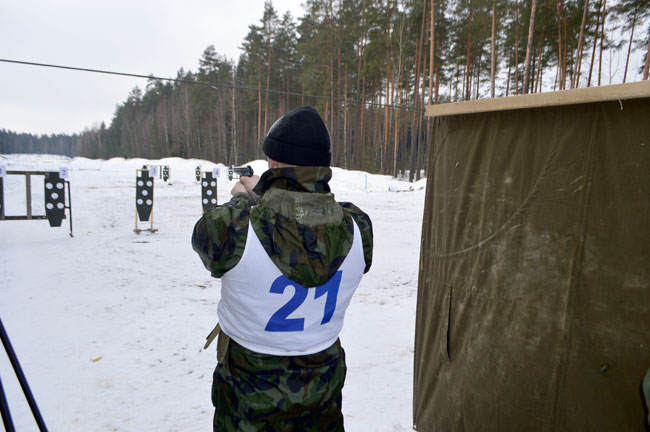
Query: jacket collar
[[295, 179]]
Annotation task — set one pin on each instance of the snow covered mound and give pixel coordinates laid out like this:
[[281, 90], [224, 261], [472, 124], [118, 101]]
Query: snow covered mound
[[109, 325]]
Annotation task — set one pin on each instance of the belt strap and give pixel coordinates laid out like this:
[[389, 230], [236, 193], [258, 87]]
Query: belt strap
[[222, 343]]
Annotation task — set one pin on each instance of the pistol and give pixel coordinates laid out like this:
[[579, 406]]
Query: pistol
[[246, 171]]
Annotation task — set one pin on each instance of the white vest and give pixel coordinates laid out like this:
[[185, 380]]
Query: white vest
[[266, 312]]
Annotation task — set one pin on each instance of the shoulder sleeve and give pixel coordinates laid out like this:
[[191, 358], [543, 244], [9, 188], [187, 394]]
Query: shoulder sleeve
[[365, 226], [219, 237]]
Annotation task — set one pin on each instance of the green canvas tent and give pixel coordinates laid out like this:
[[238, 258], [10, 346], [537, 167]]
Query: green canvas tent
[[533, 309]]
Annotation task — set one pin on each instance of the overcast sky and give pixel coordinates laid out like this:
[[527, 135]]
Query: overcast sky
[[135, 36]]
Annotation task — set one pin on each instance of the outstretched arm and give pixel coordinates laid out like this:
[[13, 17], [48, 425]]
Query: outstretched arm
[[219, 237]]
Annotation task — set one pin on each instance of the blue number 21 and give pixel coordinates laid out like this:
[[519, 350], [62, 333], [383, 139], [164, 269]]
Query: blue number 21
[[280, 322]]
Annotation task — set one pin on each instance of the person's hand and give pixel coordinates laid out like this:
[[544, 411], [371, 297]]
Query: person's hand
[[249, 182], [239, 187]]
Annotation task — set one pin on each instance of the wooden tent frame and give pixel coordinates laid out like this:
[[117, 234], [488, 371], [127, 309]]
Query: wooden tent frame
[[615, 92]]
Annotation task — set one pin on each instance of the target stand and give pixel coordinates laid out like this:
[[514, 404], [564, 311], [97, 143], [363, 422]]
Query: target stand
[[54, 185], [144, 200]]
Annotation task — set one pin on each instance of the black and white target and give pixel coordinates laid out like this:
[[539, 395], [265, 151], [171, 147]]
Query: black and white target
[[208, 191], [144, 195], [54, 198]]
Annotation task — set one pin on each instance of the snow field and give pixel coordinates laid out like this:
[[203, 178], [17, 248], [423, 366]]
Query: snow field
[[109, 326]]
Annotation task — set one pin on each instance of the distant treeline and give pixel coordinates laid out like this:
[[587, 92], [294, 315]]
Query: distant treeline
[[12, 142], [396, 52]]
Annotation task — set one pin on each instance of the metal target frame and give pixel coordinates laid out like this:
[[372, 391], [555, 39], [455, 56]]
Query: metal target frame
[[144, 200], [54, 188]]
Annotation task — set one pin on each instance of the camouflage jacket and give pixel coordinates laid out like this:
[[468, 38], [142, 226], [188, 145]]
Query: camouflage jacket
[[307, 235], [303, 230]]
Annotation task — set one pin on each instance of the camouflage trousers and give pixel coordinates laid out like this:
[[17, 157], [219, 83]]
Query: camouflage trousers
[[260, 392]]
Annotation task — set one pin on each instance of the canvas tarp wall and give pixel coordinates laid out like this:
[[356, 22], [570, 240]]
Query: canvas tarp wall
[[533, 310]]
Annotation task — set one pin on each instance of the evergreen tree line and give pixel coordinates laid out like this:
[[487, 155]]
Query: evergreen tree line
[[12, 142], [363, 55]]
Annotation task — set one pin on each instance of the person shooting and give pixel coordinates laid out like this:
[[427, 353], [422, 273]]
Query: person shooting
[[289, 258]]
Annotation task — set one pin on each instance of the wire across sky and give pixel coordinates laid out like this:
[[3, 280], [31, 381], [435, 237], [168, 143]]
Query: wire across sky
[[212, 84]]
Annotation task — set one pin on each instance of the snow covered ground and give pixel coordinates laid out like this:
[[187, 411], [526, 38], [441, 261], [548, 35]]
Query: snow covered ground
[[109, 326]]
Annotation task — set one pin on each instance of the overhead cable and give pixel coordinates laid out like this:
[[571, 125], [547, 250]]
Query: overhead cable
[[213, 85]]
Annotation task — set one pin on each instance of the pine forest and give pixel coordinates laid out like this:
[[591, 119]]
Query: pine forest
[[370, 68]]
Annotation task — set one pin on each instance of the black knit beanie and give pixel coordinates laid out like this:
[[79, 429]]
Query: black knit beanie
[[299, 138]]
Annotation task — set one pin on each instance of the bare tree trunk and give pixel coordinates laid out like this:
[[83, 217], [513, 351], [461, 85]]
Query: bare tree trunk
[[338, 131], [629, 46], [247, 131], [493, 47], [508, 79], [470, 74], [268, 84], [466, 89], [428, 146], [362, 132], [359, 144], [174, 126], [403, 139], [565, 53], [233, 125], [163, 117], [438, 76], [336, 107], [259, 110], [539, 67], [381, 145], [386, 114], [517, 50], [390, 100], [345, 120], [221, 131], [476, 87], [395, 117], [646, 68], [188, 122], [206, 132], [423, 142], [396, 131], [531, 29], [593, 51], [560, 66], [455, 84], [575, 82], [602, 38], [432, 50], [333, 124]]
